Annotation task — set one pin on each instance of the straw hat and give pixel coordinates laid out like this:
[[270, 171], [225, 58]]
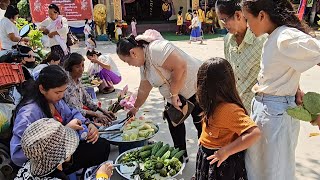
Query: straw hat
[[47, 143]]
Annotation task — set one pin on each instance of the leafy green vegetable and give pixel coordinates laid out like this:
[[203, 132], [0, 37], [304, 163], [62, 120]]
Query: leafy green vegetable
[[163, 172], [311, 102], [299, 113]]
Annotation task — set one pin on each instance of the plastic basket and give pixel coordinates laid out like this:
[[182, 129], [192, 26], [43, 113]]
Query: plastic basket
[[10, 74]]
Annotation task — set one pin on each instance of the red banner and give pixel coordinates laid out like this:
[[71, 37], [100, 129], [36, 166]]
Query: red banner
[[302, 8], [73, 10]]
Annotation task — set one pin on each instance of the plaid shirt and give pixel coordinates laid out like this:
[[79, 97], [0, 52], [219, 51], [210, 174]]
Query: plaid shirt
[[77, 97], [245, 61]]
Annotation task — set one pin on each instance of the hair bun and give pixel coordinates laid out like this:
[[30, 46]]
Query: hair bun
[[132, 40]]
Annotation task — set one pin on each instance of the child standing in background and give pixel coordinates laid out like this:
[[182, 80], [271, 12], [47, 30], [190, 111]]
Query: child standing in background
[[118, 30], [87, 29], [133, 27], [227, 130], [179, 23], [188, 17]]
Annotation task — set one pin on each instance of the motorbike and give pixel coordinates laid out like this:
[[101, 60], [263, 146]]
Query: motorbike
[[12, 75]]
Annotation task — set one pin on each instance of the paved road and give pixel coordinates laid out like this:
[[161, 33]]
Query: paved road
[[307, 155]]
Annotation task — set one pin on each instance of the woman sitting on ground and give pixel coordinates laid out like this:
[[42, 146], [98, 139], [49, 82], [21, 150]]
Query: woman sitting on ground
[[77, 96], [51, 59], [44, 100], [106, 69], [49, 146]]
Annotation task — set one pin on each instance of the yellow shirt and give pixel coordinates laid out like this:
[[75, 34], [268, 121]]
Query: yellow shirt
[[201, 15], [226, 125], [165, 7], [188, 17], [211, 16], [179, 20]]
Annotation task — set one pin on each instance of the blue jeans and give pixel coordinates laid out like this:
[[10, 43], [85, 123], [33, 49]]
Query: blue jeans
[[273, 156]]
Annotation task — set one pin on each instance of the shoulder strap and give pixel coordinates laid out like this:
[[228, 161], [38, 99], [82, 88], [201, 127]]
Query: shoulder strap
[[161, 75], [158, 71]]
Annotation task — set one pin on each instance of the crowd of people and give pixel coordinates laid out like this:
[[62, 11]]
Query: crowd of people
[[240, 102], [44, 141]]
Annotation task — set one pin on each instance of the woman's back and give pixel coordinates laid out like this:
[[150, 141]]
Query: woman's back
[[158, 52]]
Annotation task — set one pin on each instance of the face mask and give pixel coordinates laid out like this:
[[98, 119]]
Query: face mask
[[30, 64]]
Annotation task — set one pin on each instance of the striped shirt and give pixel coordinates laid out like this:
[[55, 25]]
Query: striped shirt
[[245, 61]]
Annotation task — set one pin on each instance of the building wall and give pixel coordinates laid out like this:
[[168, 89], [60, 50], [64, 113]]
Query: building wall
[[177, 3]]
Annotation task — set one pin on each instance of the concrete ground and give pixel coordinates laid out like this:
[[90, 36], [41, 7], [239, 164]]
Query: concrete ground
[[307, 156]]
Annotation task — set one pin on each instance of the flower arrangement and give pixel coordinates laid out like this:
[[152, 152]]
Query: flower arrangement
[[125, 100]]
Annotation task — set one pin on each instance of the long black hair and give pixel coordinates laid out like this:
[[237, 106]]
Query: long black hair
[[11, 12], [281, 12], [228, 7], [74, 59], [50, 57], [216, 84], [126, 44], [50, 77]]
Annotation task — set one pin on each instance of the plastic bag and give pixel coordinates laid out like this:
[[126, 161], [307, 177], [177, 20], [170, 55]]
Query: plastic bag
[[45, 41], [91, 172], [5, 117]]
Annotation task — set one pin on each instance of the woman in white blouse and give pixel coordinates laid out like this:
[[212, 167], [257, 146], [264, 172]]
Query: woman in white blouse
[[288, 52], [56, 27], [9, 33], [154, 55]]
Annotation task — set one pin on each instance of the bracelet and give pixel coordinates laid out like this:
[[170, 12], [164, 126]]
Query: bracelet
[[173, 95], [102, 175]]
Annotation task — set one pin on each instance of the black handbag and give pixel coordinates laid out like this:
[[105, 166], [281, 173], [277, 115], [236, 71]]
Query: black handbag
[[173, 114], [71, 39]]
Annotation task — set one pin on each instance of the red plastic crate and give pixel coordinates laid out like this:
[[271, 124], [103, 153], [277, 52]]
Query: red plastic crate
[[10, 74]]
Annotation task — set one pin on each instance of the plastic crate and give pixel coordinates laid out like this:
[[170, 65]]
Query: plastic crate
[[10, 74]]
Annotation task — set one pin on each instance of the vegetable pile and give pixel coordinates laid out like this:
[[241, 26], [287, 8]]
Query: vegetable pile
[[154, 160], [89, 81], [309, 110], [138, 130]]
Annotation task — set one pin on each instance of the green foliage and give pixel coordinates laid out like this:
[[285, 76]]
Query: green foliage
[[299, 113], [21, 22], [34, 35], [24, 8], [35, 38], [311, 102]]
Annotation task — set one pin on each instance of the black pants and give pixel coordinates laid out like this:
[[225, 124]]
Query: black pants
[[178, 133], [87, 155]]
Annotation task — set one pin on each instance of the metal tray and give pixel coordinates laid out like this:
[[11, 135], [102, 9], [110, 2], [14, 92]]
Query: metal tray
[[127, 176], [116, 139]]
